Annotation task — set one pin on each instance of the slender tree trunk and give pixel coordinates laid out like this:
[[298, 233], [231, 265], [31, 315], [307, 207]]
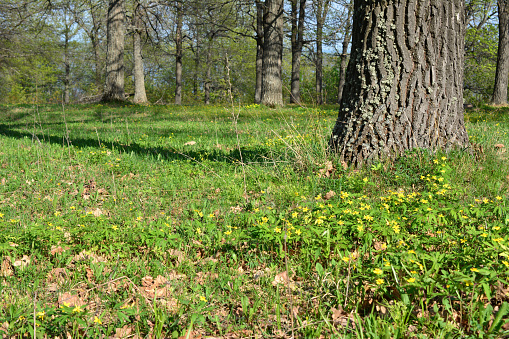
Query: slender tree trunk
[[114, 89], [502, 72], [208, 74], [259, 50], [178, 55], [404, 86], [272, 85], [67, 65], [140, 96], [97, 62], [344, 53], [297, 42], [321, 13]]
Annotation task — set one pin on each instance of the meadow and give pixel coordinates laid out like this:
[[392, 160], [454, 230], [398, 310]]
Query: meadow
[[128, 221]]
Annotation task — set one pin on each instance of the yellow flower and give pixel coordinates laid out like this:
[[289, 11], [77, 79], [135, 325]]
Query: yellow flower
[[198, 230], [202, 298], [365, 179], [211, 215], [505, 263], [360, 228], [1, 215], [411, 280], [277, 230], [115, 227], [379, 281], [57, 213], [411, 252], [473, 269], [228, 232], [298, 232], [496, 228], [77, 309], [345, 259], [41, 315], [484, 235], [498, 197], [295, 215], [97, 320], [377, 271]]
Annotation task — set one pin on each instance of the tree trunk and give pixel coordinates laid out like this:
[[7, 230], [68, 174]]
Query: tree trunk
[[140, 96], [97, 62], [259, 50], [114, 90], [321, 13], [404, 86], [178, 56], [297, 42], [344, 54], [272, 85], [208, 74], [67, 76], [502, 72]]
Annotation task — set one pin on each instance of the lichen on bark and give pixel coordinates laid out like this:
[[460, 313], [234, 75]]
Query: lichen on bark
[[405, 81]]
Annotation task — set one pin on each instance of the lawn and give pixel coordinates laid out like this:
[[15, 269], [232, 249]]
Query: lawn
[[234, 222]]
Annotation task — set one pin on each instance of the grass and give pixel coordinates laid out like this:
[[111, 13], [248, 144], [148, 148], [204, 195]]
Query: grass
[[164, 221]]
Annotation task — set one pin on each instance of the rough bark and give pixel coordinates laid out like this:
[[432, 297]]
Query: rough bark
[[259, 51], [322, 7], [114, 89], [140, 96], [344, 53], [502, 71], [272, 85], [297, 43], [404, 85], [178, 55]]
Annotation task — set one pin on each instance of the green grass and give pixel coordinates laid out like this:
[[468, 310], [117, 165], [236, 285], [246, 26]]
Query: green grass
[[112, 222]]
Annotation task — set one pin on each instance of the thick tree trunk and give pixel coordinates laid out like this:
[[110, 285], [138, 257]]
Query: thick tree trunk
[[259, 51], [178, 55], [344, 54], [297, 42], [272, 85], [404, 85], [114, 89], [502, 72], [140, 96]]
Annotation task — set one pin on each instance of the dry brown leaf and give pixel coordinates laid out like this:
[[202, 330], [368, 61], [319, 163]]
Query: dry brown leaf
[[190, 143], [236, 209], [282, 278], [124, 332], [341, 318], [90, 274], [344, 165], [329, 195], [327, 170], [6, 270], [23, 262], [98, 212], [499, 146], [70, 300], [147, 281], [52, 287], [58, 249], [57, 275], [12, 244]]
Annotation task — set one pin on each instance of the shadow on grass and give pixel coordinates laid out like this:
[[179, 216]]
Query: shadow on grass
[[231, 156]]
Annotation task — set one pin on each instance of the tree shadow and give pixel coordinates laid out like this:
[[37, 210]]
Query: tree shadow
[[229, 155]]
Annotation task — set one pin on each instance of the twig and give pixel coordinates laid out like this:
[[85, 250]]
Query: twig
[[35, 325]]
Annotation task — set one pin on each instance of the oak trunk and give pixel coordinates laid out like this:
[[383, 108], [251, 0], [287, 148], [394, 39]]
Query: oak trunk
[[404, 86]]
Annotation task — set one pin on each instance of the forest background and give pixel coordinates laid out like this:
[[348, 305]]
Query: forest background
[[53, 51]]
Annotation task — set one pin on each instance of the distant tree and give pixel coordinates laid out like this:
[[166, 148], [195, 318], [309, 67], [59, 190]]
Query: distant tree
[[272, 85], [114, 89], [298, 15], [502, 72], [347, 36], [404, 86], [140, 96], [321, 8], [179, 52]]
